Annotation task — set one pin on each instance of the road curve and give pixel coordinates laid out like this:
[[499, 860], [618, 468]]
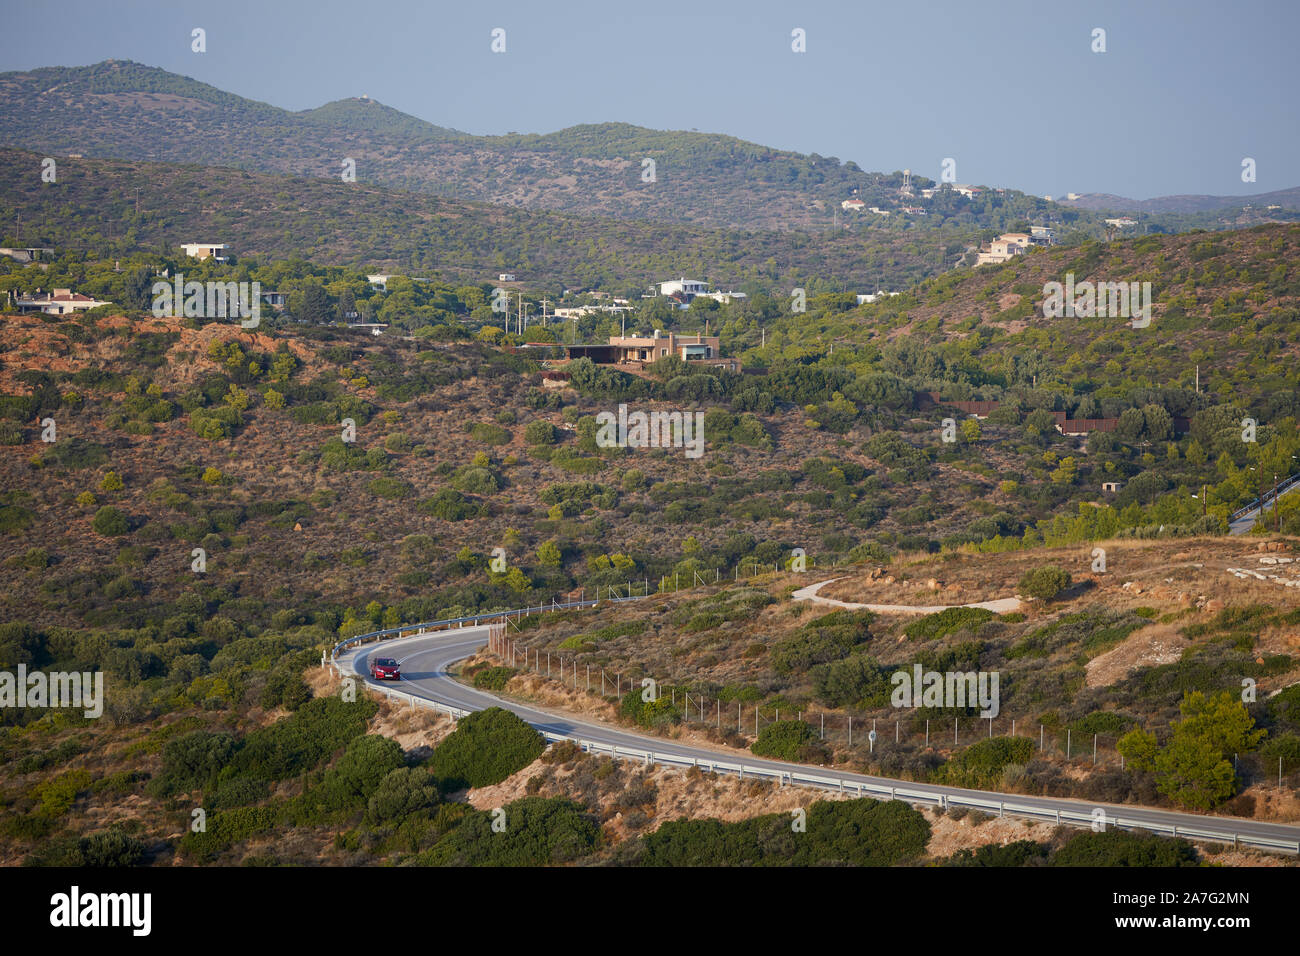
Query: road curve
[[426, 658], [1000, 606]]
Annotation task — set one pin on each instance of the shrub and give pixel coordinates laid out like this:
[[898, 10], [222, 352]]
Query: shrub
[[1045, 582], [1121, 848], [539, 433], [393, 489], [982, 763], [783, 739], [948, 621], [860, 832], [109, 522], [820, 641], [659, 712], [537, 831], [490, 434], [485, 748], [404, 791], [493, 678]]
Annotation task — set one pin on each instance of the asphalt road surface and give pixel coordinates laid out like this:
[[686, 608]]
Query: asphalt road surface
[[425, 660]]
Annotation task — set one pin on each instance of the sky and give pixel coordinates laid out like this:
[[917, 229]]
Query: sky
[[1012, 91]]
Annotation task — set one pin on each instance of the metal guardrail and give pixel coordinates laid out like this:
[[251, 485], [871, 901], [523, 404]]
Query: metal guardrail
[[412, 630], [1261, 501], [912, 795]]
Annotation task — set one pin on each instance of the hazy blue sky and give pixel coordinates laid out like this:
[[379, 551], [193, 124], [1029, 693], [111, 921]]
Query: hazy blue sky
[[1011, 90]]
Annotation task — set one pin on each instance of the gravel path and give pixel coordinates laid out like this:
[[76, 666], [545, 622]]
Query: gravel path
[[1000, 606]]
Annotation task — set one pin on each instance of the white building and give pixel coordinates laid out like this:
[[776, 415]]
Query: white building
[[506, 277], [379, 280], [873, 297], [1123, 222], [58, 302], [857, 204], [1005, 247], [205, 250], [688, 288]]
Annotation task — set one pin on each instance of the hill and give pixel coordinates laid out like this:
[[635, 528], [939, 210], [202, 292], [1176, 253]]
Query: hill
[[129, 111], [120, 207], [1105, 202]]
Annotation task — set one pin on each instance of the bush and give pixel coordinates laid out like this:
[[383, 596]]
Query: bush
[[1121, 848], [109, 522], [109, 848], [1019, 853], [947, 622], [485, 748], [490, 434], [860, 832], [404, 791], [820, 641], [493, 678], [783, 739], [981, 764], [539, 433], [659, 712], [537, 831], [1045, 582]]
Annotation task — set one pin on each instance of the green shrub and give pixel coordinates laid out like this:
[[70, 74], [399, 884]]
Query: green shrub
[[824, 639], [534, 831], [948, 621], [393, 489], [1019, 853], [1122, 848], [493, 678], [660, 712], [981, 764], [485, 748], [490, 434], [1044, 582], [840, 833], [539, 433], [109, 522], [783, 739]]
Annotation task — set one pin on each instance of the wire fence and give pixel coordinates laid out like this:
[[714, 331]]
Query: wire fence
[[862, 735]]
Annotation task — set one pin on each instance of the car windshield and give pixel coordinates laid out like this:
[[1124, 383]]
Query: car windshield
[[386, 662]]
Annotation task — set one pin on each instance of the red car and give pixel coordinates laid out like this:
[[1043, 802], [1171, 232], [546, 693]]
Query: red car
[[385, 668]]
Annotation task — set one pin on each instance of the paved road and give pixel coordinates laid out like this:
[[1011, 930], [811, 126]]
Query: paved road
[[1247, 521], [425, 661], [1000, 606]]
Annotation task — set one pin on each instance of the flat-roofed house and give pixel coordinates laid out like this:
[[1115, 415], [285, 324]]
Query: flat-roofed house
[[58, 302], [205, 250]]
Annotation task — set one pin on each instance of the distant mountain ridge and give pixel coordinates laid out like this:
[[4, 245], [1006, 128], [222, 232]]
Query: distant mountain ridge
[[1106, 202], [125, 110]]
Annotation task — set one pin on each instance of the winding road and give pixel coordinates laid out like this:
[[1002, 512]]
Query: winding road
[[427, 658]]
